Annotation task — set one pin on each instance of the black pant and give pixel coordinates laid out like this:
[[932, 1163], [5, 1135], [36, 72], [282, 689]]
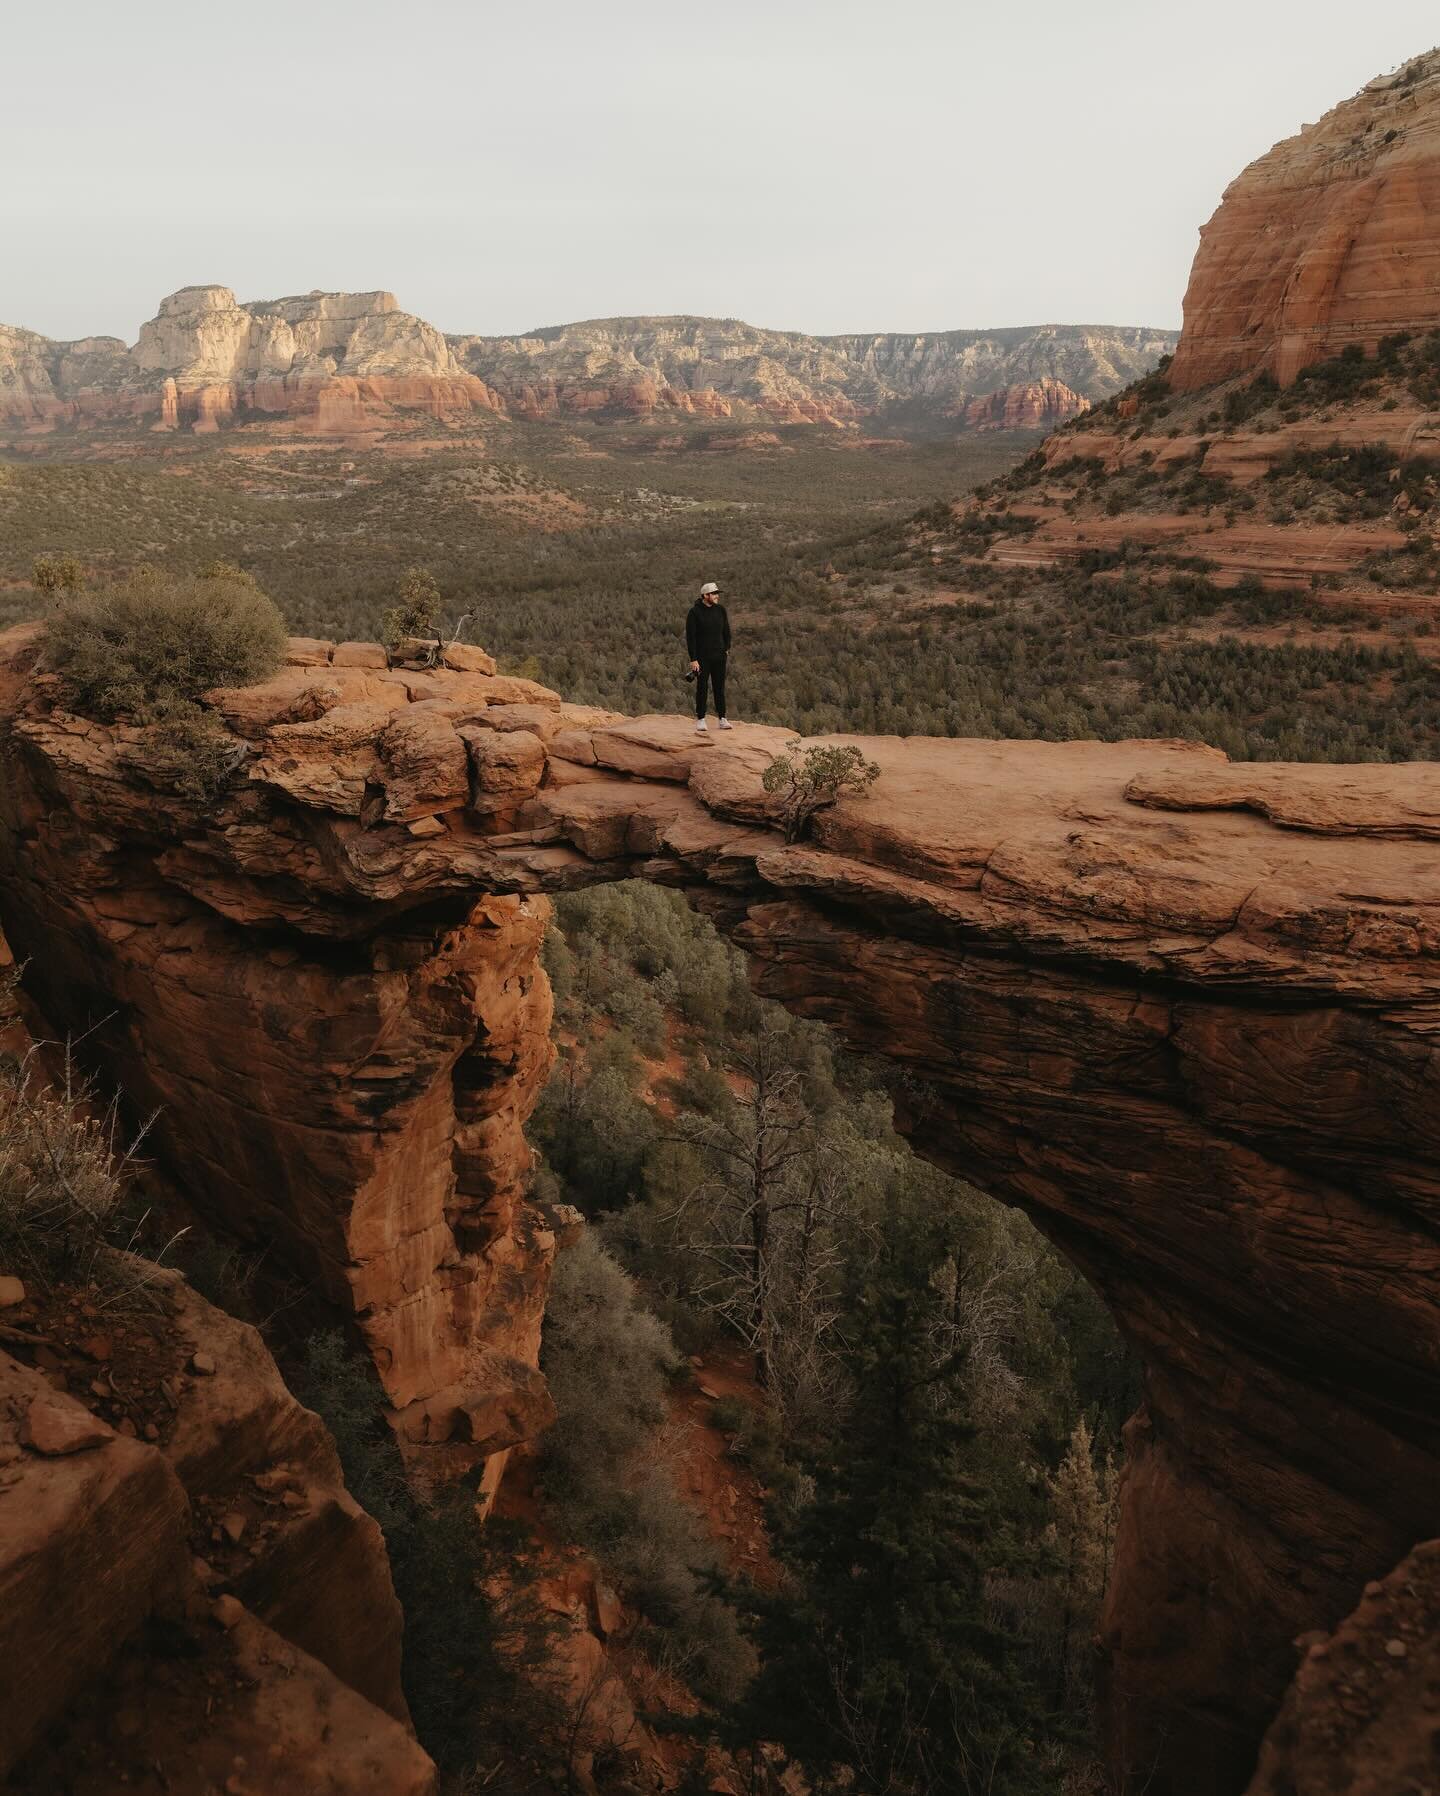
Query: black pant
[[712, 673]]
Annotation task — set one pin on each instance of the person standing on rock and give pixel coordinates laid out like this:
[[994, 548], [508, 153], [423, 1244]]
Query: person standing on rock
[[707, 638]]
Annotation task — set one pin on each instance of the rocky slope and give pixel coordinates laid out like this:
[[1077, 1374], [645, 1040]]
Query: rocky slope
[[1293, 444], [1180, 1009], [182, 1572], [723, 368], [348, 362], [1360, 1717]]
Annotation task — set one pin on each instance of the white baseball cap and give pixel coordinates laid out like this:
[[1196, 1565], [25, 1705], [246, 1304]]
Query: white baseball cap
[[709, 586]]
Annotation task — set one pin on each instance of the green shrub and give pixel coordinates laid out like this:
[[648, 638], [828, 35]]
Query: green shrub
[[54, 574], [190, 750], [155, 641], [609, 1485], [808, 780], [416, 611], [729, 1414], [62, 1183], [1244, 402]]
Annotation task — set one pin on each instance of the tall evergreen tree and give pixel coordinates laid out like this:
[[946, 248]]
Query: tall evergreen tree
[[880, 1670]]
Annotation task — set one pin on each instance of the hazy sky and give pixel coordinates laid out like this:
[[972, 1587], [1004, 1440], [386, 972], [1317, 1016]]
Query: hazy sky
[[819, 165]]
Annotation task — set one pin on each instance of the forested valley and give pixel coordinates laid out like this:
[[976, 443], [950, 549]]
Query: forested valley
[[933, 1401]]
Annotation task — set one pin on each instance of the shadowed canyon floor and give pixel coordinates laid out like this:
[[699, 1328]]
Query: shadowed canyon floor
[[1180, 1009]]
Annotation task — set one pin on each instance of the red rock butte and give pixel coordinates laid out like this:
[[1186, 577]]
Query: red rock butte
[[1231, 465], [1179, 1009], [1330, 239]]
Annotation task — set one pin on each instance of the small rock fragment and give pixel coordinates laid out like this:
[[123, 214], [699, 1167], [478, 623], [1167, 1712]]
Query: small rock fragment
[[57, 1428], [12, 1291], [233, 1525], [227, 1610], [1397, 1649], [203, 1363], [608, 1614]]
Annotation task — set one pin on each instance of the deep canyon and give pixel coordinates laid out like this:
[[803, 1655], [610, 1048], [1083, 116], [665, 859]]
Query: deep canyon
[[1179, 1008]]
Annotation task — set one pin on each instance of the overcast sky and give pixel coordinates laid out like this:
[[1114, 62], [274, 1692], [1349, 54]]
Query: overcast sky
[[821, 165]]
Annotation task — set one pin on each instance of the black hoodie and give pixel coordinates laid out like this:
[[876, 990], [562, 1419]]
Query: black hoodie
[[707, 631]]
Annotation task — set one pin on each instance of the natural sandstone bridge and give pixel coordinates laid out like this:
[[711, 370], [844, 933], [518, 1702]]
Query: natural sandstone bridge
[[1183, 1012]]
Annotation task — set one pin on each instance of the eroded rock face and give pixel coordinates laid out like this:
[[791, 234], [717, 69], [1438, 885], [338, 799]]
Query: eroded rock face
[[1331, 238], [351, 1098], [91, 1543], [273, 1628], [1028, 405], [344, 362], [1180, 1010], [721, 368], [1328, 244], [1360, 1718], [340, 360]]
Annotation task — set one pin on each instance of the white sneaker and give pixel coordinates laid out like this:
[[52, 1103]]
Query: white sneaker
[[725, 723], [701, 725]]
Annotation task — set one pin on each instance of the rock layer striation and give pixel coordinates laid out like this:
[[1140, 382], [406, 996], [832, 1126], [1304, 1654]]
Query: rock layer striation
[[1332, 238], [204, 361], [1260, 458], [348, 361], [1183, 1011], [1023, 378]]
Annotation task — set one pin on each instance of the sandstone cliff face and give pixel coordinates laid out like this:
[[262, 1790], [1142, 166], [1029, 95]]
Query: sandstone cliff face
[[1229, 460], [721, 367], [1331, 238], [1181, 1010], [201, 337], [204, 360], [1032, 405], [348, 359], [397, 1182]]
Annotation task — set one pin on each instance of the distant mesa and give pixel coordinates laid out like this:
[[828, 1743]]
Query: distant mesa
[[347, 362], [1020, 378], [205, 360]]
